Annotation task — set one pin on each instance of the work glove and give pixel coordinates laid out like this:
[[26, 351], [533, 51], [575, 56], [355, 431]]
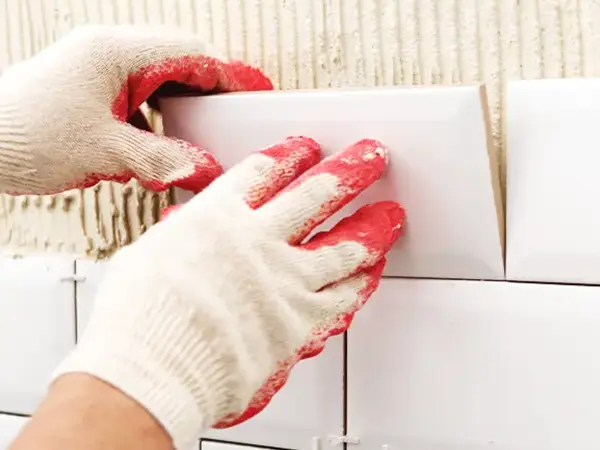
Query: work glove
[[64, 113], [202, 318]]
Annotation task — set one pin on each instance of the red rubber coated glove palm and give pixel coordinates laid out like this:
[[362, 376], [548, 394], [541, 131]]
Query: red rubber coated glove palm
[[66, 114]]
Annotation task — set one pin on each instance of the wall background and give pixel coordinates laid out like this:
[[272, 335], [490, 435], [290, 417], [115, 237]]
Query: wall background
[[300, 44]]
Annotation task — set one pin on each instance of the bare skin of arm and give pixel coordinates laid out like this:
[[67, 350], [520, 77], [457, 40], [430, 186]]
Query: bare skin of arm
[[82, 412]]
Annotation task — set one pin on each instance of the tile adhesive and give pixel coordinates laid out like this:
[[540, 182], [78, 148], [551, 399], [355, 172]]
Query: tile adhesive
[[299, 44]]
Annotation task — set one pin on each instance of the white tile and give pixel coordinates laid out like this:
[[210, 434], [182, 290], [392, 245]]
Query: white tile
[[10, 426], [440, 168], [90, 273], [553, 183], [37, 327], [475, 365], [310, 405]]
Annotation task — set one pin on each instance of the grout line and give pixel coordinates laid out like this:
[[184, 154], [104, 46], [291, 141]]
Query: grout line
[[75, 302], [14, 414], [475, 280], [242, 444]]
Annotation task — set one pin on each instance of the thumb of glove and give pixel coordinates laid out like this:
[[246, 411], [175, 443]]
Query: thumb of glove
[[157, 162]]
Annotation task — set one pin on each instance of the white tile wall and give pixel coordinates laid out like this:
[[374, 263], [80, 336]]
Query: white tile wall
[[553, 220], [466, 365], [431, 364]]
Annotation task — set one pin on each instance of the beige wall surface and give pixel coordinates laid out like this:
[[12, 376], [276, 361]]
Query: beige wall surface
[[300, 44]]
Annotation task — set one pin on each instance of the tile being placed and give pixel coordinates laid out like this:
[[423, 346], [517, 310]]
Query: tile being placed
[[440, 167], [553, 181]]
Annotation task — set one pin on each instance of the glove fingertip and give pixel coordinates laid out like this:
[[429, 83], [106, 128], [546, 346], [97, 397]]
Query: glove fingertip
[[290, 158], [386, 220], [239, 76], [200, 178], [203, 172]]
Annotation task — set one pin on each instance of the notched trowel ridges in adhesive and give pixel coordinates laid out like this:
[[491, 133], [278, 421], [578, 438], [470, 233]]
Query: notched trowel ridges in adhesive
[[92, 222]]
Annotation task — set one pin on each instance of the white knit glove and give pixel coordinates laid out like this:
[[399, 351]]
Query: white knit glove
[[64, 113], [203, 317]]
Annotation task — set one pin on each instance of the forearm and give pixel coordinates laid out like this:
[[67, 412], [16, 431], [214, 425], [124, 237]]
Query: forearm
[[82, 412]]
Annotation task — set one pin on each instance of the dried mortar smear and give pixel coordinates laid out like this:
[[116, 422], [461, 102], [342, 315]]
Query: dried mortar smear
[[302, 44]]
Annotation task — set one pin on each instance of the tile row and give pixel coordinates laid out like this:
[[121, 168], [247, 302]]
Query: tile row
[[427, 364], [444, 170]]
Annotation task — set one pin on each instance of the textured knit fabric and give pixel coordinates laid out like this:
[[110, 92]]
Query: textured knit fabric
[[204, 316]]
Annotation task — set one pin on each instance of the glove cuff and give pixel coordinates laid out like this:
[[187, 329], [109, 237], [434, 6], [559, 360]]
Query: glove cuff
[[179, 381]]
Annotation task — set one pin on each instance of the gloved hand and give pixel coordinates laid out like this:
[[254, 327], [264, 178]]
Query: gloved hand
[[64, 113], [202, 318]]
